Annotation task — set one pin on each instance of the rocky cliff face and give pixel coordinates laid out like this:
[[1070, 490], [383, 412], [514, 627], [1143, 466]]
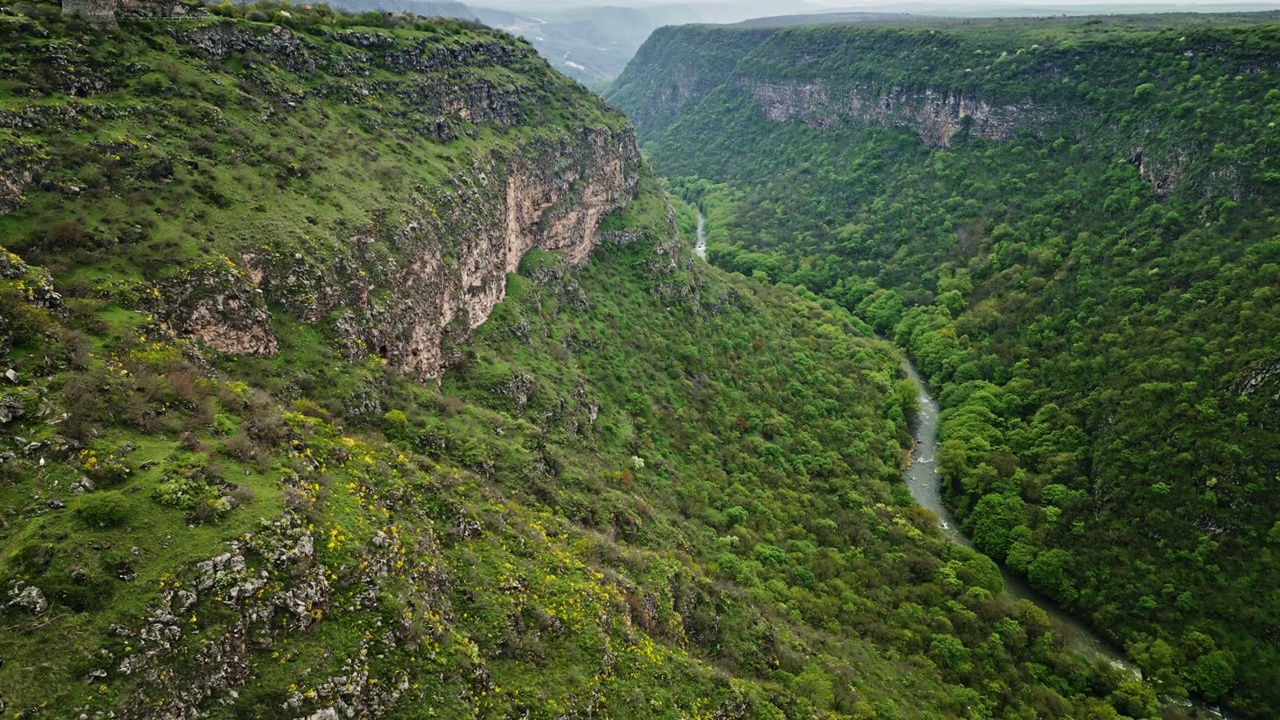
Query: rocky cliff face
[[217, 304], [935, 115], [455, 247]]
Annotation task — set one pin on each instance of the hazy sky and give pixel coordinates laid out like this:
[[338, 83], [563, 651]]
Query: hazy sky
[[799, 6]]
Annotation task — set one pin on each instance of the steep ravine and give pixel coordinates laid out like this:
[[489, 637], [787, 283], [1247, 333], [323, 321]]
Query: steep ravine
[[1069, 224], [924, 483]]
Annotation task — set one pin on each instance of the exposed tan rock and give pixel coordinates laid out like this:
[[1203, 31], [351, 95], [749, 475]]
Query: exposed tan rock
[[556, 208], [935, 115], [453, 248], [217, 304]]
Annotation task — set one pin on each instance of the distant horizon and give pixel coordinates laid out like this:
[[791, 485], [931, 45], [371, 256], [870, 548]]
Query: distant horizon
[[805, 6]]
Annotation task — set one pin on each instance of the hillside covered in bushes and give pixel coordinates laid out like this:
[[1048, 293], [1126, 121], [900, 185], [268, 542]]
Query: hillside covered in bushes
[[1070, 225]]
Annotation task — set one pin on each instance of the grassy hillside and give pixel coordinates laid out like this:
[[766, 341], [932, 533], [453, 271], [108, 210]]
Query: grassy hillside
[[1070, 225], [642, 488]]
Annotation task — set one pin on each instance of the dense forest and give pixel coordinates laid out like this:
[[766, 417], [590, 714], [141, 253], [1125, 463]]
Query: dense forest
[[233, 486], [1070, 225]]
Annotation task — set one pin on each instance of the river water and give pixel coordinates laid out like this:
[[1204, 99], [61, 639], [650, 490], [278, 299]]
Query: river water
[[700, 247], [923, 481]]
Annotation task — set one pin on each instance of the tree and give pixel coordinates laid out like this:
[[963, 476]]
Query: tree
[[953, 461], [1212, 675], [993, 520], [1135, 699], [1051, 575]]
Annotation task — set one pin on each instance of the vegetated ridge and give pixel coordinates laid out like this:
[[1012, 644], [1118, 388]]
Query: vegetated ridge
[[354, 366], [1070, 225]]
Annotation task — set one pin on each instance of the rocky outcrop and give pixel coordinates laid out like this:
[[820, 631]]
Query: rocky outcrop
[[217, 304], [20, 165], [102, 14], [220, 41], [268, 586], [1164, 173], [554, 205], [28, 598], [935, 115]]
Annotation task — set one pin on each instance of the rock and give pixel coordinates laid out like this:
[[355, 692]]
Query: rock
[[55, 504], [220, 41], [81, 486], [521, 388], [218, 304], [627, 236], [28, 598], [10, 409], [325, 714], [11, 376], [183, 600], [935, 115], [305, 547], [221, 571]]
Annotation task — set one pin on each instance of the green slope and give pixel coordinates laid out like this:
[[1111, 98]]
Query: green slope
[[1084, 266], [642, 488]]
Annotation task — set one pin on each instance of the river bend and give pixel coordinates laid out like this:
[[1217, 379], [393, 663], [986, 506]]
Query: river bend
[[924, 483]]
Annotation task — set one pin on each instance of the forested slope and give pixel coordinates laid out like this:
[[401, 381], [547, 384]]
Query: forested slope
[[353, 367], [1070, 224]]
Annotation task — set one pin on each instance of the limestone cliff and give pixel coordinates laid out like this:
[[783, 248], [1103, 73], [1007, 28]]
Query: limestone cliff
[[934, 115], [454, 247]]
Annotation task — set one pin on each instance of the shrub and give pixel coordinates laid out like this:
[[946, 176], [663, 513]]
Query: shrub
[[397, 425], [153, 83], [241, 447], [104, 510], [23, 323], [66, 235], [107, 471], [85, 404]]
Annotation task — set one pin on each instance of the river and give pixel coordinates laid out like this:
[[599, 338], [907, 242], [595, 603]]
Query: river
[[922, 479], [700, 247]]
